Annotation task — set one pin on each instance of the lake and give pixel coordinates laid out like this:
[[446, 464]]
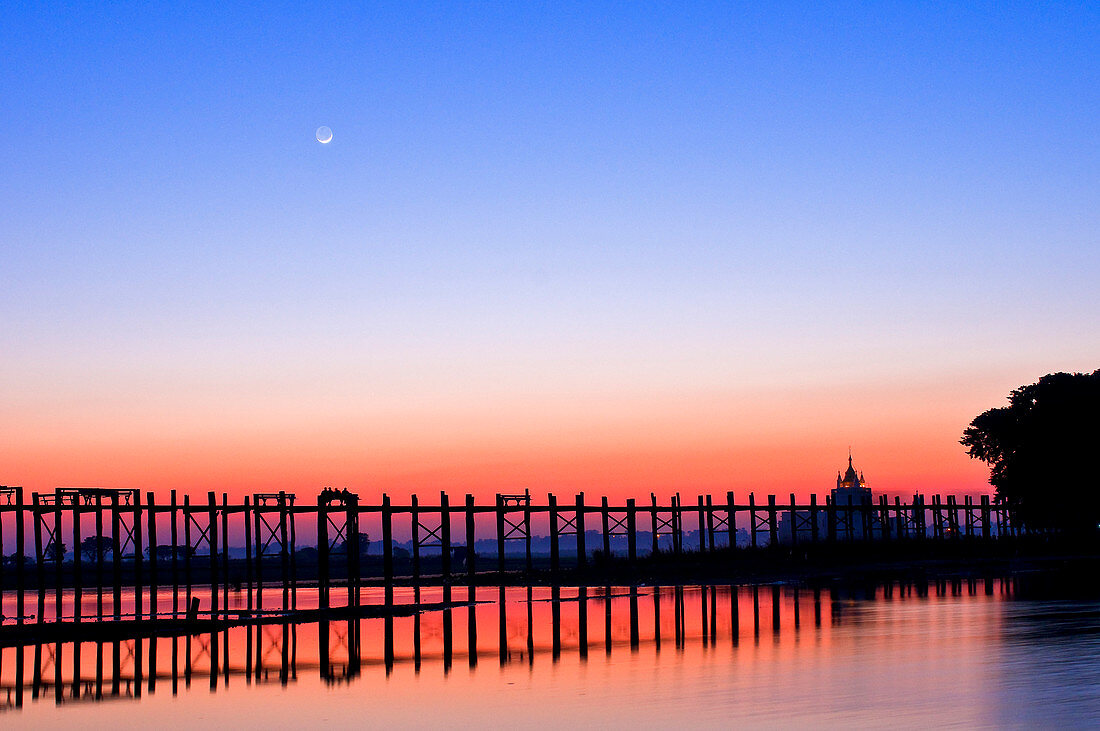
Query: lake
[[963, 653]]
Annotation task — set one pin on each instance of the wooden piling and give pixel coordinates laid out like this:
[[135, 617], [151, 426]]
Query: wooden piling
[[937, 517], [731, 518], [291, 517], [527, 531], [175, 557], [116, 558], [631, 532], [500, 535], [814, 520], [77, 574], [284, 550], [187, 550], [794, 522], [702, 526], [710, 523], [59, 559], [653, 522], [414, 522], [552, 510], [884, 518], [212, 541], [752, 519], [387, 549], [39, 563], [773, 522], [582, 557], [21, 568], [985, 517], [225, 554], [605, 519], [154, 574], [673, 526], [323, 600], [248, 555], [445, 541], [354, 551], [471, 569], [135, 518]]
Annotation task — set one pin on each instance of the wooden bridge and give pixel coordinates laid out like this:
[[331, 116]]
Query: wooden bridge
[[156, 548]]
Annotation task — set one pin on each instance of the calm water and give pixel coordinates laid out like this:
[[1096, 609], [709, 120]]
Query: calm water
[[964, 655]]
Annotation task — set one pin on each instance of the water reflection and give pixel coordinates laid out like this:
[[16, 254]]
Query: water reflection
[[528, 626], [528, 622]]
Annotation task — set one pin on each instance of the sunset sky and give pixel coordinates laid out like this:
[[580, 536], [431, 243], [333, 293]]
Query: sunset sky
[[618, 248]]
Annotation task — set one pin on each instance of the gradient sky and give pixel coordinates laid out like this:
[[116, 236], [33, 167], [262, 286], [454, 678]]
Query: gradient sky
[[617, 248]]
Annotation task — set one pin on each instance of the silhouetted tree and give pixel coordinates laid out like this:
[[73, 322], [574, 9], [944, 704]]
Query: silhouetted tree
[[1042, 450], [364, 544], [54, 551], [164, 553], [96, 547]]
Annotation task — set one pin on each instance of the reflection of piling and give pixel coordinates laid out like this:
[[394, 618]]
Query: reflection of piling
[[704, 624], [756, 612], [634, 631], [530, 627], [797, 618], [502, 634], [735, 618], [607, 620], [776, 606], [657, 618], [555, 621], [582, 621], [471, 629], [448, 639]]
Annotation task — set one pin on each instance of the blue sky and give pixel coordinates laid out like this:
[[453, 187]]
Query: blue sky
[[548, 200]]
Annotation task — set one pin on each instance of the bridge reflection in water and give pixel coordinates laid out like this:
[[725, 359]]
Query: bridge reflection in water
[[505, 625]]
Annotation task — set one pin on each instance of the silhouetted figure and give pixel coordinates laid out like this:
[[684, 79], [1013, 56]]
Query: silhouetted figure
[[1042, 449]]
